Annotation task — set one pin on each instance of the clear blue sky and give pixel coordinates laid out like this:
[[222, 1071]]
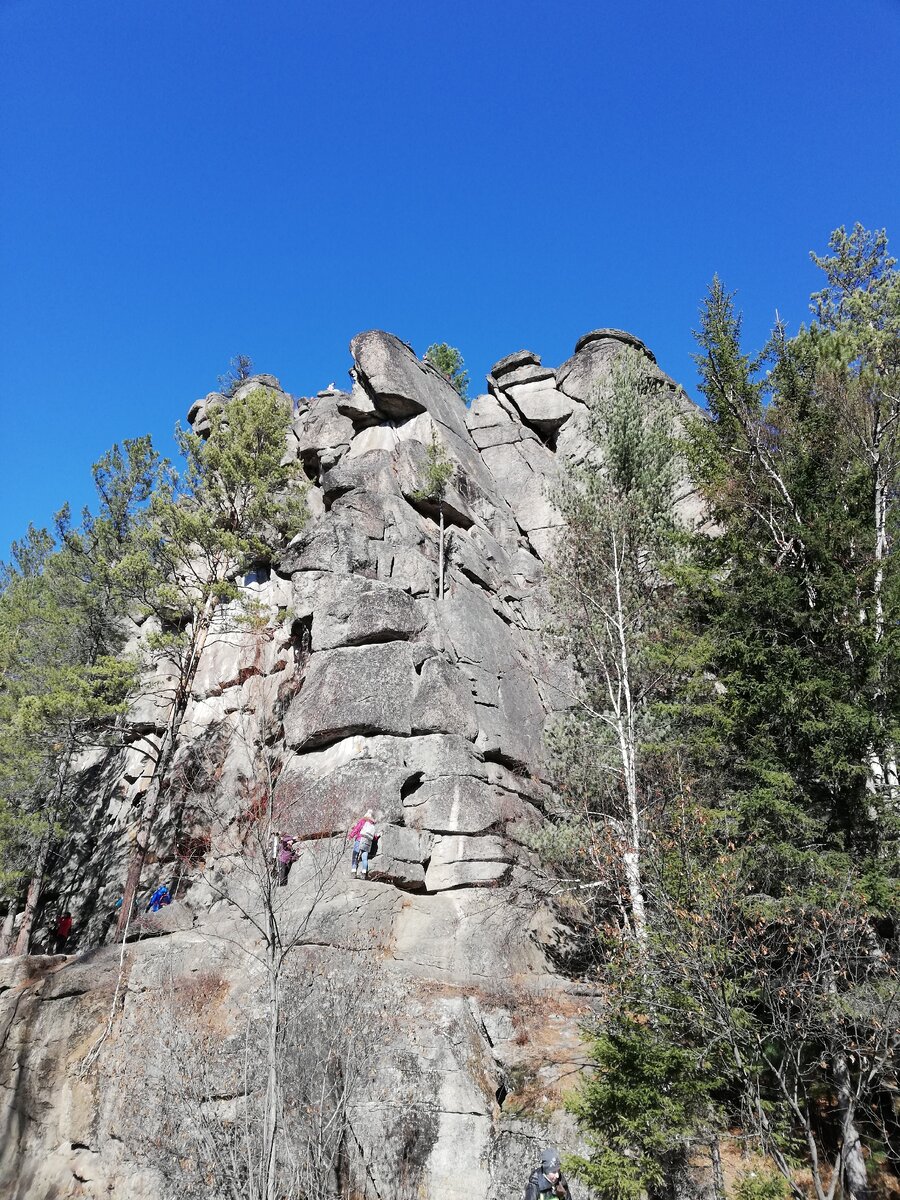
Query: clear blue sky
[[185, 180]]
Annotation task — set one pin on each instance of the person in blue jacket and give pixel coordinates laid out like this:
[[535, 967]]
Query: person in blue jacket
[[159, 899]]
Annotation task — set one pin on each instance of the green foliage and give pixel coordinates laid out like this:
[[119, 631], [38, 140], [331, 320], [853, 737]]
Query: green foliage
[[161, 542], [792, 608], [239, 369], [643, 1099], [791, 596], [760, 1185], [450, 363], [63, 683], [438, 473], [766, 730], [609, 582], [861, 298], [231, 505]]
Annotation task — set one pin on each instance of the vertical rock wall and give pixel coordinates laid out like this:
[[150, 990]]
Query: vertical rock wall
[[366, 690]]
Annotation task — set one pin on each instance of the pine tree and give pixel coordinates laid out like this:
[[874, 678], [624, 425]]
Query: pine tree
[[449, 361], [63, 687], [234, 503], [438, 473]]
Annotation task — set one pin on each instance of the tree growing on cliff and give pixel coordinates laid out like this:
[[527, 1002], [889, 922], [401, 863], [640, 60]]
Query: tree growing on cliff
[[449, 361], [433, 489], [239, 369], [234, 502]]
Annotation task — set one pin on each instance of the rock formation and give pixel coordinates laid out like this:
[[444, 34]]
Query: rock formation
[[362, 689]]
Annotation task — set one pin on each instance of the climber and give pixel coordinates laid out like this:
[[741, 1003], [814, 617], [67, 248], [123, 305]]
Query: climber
[[62, 932], [286, 856], [547, 1179], [159, 899], [362, 835]]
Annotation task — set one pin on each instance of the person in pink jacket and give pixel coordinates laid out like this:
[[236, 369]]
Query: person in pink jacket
[[362, 835]]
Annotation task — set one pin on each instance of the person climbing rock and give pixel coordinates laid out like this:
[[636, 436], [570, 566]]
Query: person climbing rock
[[548, 1179], [160, 898], [362, 835], [62, 933], [287, 855]]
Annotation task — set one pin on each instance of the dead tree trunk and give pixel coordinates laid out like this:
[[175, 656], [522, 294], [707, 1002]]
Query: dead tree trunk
[[23, 941], [7, 932]]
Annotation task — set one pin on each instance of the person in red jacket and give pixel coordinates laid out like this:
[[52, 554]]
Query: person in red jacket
[[62, 933]]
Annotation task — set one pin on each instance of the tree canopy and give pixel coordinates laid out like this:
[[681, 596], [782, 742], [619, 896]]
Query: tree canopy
[[449, 361]]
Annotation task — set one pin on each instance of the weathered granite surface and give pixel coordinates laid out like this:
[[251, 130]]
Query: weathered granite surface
[[363, 690]]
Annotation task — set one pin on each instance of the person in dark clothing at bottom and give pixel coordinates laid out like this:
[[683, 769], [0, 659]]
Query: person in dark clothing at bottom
[[548, 1180]]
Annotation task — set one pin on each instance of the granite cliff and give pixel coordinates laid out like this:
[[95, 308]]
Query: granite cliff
[[355, 687]]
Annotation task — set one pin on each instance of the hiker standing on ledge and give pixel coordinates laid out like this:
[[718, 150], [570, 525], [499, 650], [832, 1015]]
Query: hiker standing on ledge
[[548, 1180]]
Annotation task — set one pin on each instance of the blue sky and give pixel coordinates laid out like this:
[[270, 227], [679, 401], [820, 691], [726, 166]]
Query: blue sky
[[186, 180]]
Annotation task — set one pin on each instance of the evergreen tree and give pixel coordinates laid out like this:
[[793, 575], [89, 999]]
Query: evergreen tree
[[772, 885], [451, 365], [62, 687], [438, 473], [235, 501], [796, 602], [239, 370]]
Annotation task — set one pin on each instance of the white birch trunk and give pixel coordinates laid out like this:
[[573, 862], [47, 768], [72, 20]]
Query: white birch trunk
[[853, 1163], [627, 733]]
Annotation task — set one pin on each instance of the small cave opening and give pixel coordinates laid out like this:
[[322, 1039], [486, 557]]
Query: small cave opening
[[514, 765], [412, 784], [309, 461], [260, 572]]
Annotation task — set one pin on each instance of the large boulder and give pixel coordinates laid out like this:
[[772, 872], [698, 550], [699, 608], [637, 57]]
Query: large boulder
[[541, 405], [322, 433], [397, 381], [459, 804], [589, 367], [349, 610], [365, 689]]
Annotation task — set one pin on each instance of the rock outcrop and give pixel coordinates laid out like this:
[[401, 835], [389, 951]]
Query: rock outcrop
[[363, 690]]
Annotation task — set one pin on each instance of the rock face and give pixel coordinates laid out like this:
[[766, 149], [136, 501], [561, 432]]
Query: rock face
[[364, 690]]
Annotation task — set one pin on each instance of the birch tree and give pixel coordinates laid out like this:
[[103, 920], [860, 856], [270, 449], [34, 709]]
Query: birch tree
[[610, 596]]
